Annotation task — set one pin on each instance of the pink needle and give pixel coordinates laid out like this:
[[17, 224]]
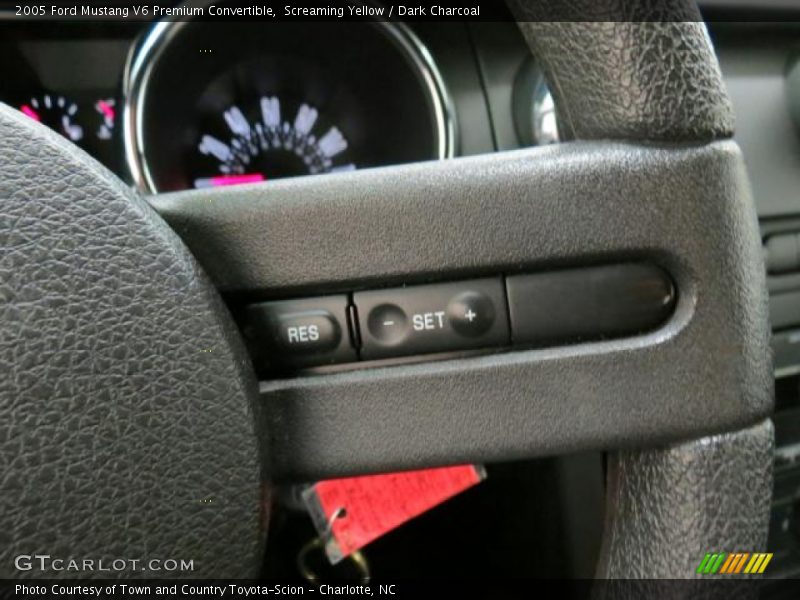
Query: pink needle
[[30, 112], [106, 109], [221, 180]]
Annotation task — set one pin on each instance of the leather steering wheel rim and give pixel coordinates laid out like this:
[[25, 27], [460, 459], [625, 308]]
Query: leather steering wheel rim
[[127, 400], [110, 451], [648, 73]]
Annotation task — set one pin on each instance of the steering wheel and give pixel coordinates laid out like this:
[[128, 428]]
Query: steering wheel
[[131, 423]]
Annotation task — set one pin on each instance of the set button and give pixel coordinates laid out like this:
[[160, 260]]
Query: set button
[[432, 318]]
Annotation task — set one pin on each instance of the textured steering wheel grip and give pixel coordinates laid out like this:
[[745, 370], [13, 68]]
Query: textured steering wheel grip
[[667, 507], [641, 70], [646, 71], [126, 399]]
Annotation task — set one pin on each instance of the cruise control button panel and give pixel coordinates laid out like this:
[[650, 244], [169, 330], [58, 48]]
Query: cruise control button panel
[[432, 318], [515, 311], [303, 333]]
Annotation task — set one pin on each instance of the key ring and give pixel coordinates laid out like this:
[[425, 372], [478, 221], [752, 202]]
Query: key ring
[[319, 543]]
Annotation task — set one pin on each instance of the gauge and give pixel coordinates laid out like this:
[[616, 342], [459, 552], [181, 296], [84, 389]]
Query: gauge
[[266, 145], [86, 121], [56, 112], [264, 101], [67, 79]]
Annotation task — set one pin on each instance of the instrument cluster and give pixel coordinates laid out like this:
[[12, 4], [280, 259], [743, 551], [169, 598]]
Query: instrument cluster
[[180, 104], [190, 103]]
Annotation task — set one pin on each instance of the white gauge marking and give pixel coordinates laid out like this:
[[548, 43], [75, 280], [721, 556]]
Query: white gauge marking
[[237, 122], [211, 145], [35, 103], [305, 119], [332, 142], [73, 108], [47, 102], [72, 131], [271, 111], [269, 134], [61, 101]]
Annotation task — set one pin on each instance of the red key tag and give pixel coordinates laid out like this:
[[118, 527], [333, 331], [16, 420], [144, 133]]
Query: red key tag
[[349, 513]]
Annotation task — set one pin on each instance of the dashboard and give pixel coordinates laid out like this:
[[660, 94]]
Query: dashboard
[[185, 104]]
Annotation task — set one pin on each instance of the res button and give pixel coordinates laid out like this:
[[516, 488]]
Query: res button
[[301, 333], [305, 332]]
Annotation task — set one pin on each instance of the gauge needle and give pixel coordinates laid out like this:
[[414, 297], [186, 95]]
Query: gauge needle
[[221, 180], [30, 112], [105, 108]]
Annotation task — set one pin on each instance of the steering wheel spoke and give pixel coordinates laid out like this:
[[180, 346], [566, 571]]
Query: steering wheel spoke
[[527, 211]]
